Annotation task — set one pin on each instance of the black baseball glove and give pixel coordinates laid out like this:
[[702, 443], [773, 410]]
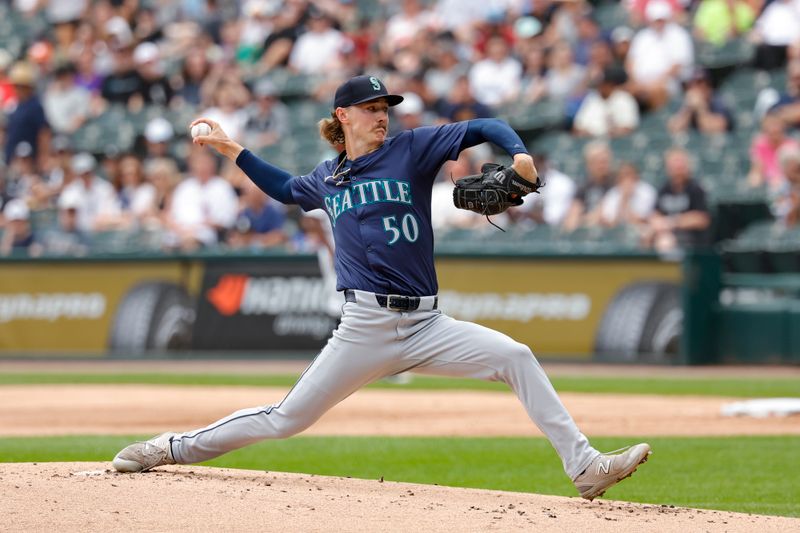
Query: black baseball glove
[[492, 191]]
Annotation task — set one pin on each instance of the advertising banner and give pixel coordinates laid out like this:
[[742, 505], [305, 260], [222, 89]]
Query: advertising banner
[[68, 307], [264, 305], [555, 306], [567, 307]]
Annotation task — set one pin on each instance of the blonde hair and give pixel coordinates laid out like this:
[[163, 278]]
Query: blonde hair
[[331, 130]]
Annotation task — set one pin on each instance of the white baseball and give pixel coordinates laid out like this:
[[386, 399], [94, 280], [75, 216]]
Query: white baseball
[[201, 128]]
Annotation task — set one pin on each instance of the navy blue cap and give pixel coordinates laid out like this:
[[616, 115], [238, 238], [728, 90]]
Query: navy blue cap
[[363, 89]]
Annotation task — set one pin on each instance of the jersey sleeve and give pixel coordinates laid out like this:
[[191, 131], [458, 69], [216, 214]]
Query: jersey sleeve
[[306, 189], [431, 146]]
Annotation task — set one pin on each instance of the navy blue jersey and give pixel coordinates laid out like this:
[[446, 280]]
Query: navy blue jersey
[[381, 212]]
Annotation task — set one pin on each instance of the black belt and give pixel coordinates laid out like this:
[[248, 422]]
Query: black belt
[[392, 301]]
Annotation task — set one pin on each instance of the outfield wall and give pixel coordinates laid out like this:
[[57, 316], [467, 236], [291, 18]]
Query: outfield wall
[[105, 306]]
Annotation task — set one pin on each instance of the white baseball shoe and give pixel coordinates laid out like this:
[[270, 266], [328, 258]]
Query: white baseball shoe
[[608, 469], [142, 456]]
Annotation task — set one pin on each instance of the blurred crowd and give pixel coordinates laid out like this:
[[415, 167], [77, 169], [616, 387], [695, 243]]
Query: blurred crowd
[[451, 59]]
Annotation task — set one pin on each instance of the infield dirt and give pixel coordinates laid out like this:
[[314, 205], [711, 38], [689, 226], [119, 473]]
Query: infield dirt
[[30, 410], [68, 497]]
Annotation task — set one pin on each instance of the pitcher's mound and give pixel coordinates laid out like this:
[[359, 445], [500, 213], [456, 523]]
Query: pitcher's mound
[[90, 497]]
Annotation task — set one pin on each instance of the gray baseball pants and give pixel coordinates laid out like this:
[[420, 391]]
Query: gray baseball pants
[[373, 342]]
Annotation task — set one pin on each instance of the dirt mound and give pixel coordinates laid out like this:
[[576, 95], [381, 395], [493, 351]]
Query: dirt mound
[[88, 497]]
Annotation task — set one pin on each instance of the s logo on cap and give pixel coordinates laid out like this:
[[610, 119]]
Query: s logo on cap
[[375, 83]]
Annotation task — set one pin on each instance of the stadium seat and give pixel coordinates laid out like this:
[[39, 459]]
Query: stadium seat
[[44, 219], [544, 114], [609, 15], [735, 52], [740, 89]]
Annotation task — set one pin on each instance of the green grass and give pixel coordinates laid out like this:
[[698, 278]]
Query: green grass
[[743, 474], [737, 387]]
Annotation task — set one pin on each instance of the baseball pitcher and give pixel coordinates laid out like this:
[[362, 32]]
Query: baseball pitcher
[[377, 195]]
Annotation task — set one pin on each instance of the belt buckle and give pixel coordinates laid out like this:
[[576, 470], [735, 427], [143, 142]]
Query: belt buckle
[[397, 302]]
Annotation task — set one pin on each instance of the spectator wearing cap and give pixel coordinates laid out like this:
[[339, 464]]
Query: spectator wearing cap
[[461, 104], [68, 238], [765, 169], [259, 223], [66, 104], [719, 21], [776, 30], [267, 117], [18, 237], [319, 50], [621, 38], [637, 10], [156, 88], [158, 134], [630, 201], [124, 85], [787, 202], [203, 206], [608, 110], [681, 218], [27, 122], [702, 110], [95, 198], [660, 56], [585, 207], [497, 78], [410, 113]]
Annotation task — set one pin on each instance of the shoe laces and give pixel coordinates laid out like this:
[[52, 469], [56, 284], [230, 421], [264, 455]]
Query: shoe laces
[[615, 452], [151, 450]]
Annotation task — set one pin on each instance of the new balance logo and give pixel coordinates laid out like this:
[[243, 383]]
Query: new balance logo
[[605, 466]]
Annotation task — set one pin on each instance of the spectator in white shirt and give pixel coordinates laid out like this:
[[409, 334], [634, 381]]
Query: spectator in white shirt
[[564, 78], [66, 104], [552, 203], [630, 201], [776, 30], [230, 98], [93, 198], [661, 55], [402, 28], [608, 110], [319, 50], [203, 205], [496, 79]]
